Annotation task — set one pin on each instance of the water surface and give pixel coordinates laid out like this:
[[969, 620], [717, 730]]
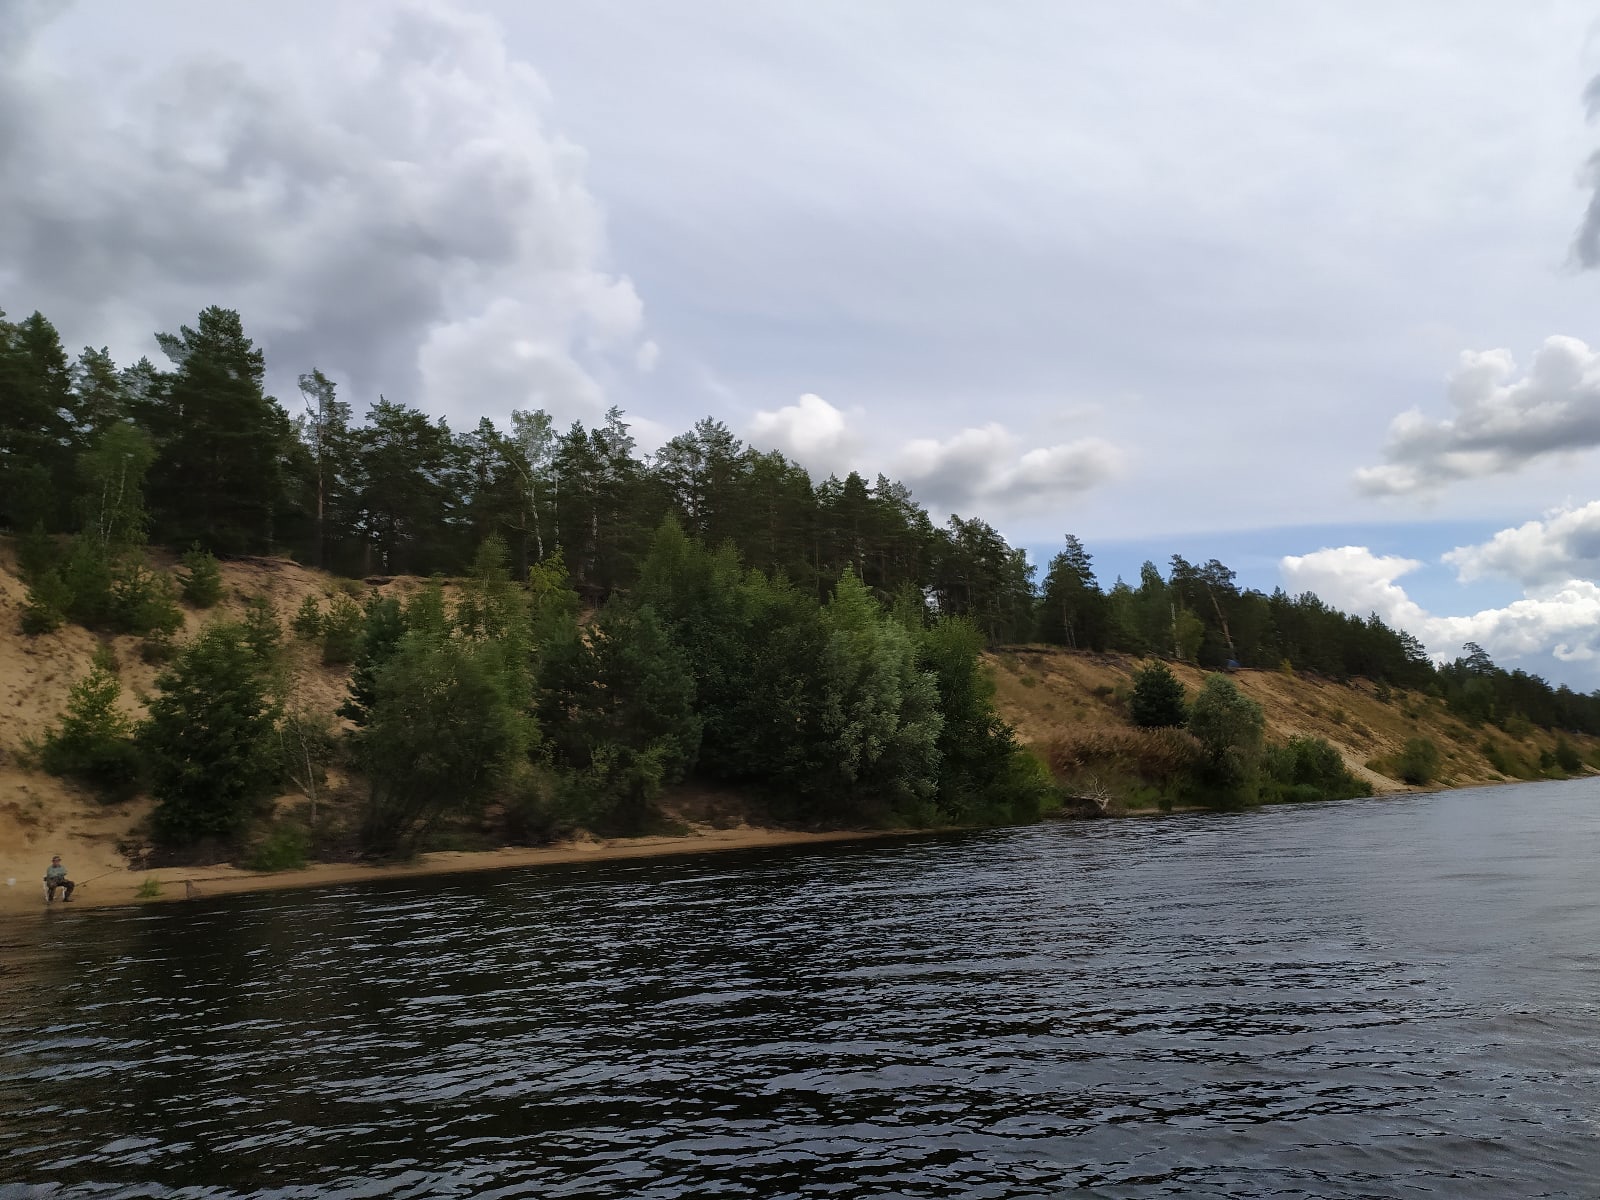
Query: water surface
[[1379, 998]]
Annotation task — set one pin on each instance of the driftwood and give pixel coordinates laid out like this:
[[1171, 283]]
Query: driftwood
[[1094, 800]]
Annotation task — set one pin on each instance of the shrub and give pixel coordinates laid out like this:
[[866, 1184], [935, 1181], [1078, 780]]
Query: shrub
[[1496, 756], [531, 818], [141, 601], [156, 648], [1309, 768], [47, 604], [307, 623], [342, 631], [1418, 762], [93, 743], [87, 574], [150, 889], [208, 738], [1566, 755], [441, 736], [105, 658], [1157, 701], [37, 554], [202, 578], [1153, 755], [261, 630], [1229, 727], [283, 849], [1517, 726]]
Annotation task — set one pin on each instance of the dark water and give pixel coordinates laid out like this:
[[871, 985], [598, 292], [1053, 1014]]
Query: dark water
[[1380, 998]]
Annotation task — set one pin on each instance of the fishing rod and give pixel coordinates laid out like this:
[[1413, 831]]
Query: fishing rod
[[102, 875]]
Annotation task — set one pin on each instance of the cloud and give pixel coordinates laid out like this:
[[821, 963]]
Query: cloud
[[385, 203], [1499, 424], [1562, 620], [984, 463], [811, 431], [1586, 243], [1563, 546], [1356, 580]]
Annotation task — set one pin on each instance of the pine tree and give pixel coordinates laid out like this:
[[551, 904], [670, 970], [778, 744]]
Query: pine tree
[[1072, 610], [325, 431], [38, 438], [1157, 701], [208, 738], [220, 439]]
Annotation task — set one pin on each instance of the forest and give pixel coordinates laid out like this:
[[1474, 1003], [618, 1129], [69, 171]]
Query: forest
[[624, 620]]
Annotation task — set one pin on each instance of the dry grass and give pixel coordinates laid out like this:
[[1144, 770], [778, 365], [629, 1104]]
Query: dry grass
[[1071, 711]]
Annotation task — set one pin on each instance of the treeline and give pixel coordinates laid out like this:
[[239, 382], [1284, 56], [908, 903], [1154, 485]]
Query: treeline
[[497, 693], [398, 492]]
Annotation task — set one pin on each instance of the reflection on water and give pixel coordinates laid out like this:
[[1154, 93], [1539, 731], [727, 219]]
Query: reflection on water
[[1378, 998]]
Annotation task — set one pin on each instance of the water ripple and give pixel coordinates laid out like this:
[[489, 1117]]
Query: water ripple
[[1383, 999]]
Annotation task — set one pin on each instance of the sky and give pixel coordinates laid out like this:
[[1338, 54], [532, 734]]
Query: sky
[[1308, 289]]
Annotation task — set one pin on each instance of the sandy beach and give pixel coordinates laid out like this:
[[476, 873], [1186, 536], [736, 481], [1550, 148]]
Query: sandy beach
[[20, 895]]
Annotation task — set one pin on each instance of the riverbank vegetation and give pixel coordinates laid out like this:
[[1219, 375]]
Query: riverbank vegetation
[[604, 626]]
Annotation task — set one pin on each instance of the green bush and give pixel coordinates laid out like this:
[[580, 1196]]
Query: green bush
[[261, 630], [156, 648], [1566, 755], [94, 743], [442, 736], [342, 631], [47, 604], [1418, 762], [1157, 701], [531, 817], [283, 849], [1501, 758], [105, 658], [89, 578], [37, 554], [202, 578], [307, 622], [142, 602], [209, 739], [1309, 768], [1229, 727]]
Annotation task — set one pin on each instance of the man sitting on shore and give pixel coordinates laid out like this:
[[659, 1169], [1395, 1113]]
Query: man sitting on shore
[[56, 877]]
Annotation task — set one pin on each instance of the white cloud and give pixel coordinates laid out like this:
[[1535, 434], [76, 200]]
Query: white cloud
[[1354, 579], [1565, 545], [987, 464], [811, 431], [382, 200], [1562, 620], [974, 465], [1499, 424]]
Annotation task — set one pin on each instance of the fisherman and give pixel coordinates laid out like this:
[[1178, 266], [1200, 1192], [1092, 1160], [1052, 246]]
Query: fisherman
[[56, 877]]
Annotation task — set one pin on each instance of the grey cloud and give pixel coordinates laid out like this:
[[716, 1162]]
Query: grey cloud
[[1586, 243], [988, 464], [393, 211], [1499, 423]]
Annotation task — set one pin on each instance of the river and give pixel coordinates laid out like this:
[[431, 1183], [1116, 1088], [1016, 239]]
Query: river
[[1394, 997]]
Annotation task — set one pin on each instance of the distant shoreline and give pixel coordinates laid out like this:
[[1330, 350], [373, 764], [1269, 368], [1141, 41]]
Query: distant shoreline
[[123, 888]]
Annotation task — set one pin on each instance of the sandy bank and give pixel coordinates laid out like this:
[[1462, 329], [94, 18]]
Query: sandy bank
[[179, 883]]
